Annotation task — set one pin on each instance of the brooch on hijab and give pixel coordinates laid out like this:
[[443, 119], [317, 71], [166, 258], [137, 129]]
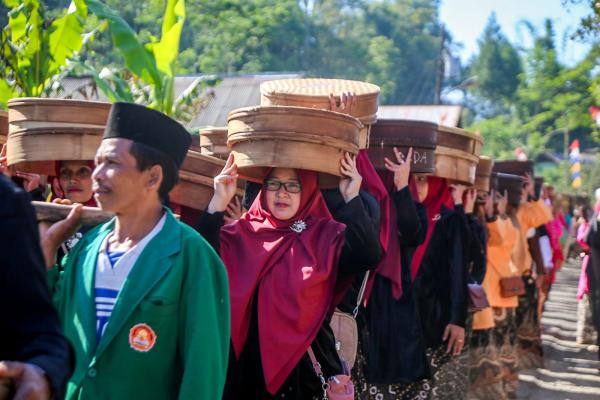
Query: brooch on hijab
[[298, 226], [436, 217]]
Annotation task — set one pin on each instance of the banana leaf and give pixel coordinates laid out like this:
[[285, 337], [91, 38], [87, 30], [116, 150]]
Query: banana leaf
[[138, 59]]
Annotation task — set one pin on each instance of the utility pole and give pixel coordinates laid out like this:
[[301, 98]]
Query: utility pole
[[439, 74]]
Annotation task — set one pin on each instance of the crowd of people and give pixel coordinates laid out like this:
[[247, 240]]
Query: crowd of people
[[446, 283]]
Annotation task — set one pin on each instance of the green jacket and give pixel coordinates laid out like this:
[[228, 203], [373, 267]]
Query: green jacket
[[178, 287]]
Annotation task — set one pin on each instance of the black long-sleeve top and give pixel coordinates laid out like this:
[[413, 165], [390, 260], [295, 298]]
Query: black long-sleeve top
[[476, 239], [361, 251], [30, 330], [441, 283], [393, 339]]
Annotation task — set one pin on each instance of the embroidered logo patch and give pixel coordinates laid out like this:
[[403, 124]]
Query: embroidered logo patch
[[142, 337]]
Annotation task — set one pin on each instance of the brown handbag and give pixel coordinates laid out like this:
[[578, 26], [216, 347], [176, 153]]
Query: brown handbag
[[512, 286], [345, 329]]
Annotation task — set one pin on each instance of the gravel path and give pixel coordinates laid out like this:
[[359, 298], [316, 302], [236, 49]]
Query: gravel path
[[571, 370]]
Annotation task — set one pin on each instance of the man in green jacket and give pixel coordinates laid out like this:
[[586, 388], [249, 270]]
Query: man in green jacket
[[143, 298]]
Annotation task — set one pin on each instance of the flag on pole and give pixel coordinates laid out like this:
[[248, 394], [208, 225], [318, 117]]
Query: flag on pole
[[575, 162], [595, 113]]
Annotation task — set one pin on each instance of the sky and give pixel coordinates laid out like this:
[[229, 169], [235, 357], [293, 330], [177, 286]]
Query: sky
[[466, 19]]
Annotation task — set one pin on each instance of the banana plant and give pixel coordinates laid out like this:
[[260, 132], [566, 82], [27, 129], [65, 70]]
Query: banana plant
[[149, 73], [35, 51]]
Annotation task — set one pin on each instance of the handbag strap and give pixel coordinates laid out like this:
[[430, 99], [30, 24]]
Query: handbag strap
[[361, 294], [317, 367]]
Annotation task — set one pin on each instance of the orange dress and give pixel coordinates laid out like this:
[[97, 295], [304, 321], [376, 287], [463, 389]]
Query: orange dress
[[502, 236], [529, 215]]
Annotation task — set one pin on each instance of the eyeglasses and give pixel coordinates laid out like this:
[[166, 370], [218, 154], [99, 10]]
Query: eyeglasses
[[81, 173], [291, 187]]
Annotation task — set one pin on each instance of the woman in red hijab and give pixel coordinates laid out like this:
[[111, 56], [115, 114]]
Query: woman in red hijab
[[286, 258], [440, 278]]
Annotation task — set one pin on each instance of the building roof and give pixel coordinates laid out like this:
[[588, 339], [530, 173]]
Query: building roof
[[231, 93], [448, 115]]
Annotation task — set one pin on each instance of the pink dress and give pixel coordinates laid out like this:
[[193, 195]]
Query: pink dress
[[583, 287]]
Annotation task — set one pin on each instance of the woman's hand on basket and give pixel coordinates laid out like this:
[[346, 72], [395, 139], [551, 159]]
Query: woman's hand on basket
[[347, 102], [351, 179], [225, 185], [401, 169]]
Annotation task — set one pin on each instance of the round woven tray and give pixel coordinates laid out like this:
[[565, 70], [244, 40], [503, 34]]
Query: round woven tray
[[291, 137], [403, 134], [213, 142], [483, 173], [44, 130], [457, 154], [314, 93]]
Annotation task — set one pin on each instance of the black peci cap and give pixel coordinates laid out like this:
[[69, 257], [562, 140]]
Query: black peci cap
[[149, 127]]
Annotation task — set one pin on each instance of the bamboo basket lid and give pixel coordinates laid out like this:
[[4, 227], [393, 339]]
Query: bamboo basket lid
[[457, 154], [404, 134], [213, 141], [515, 167], [195, 187], [293, 137], [3, 126], [483, 174], [314, 93], [42, 131]]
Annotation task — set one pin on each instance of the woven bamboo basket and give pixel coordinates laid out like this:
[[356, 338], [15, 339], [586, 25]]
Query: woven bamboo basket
[[457, 154], [514, 167], [213, 142], [314, 93], [291, 137], [44, 130], [404, 134], [3, 127], [483, 174], [195, 187]]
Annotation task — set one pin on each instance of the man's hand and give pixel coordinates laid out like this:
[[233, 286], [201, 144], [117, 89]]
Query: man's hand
[[51, 236], [401, 169], [455, 335], [29, 381]]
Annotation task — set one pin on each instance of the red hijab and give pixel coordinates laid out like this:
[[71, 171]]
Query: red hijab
[[438, 195], [389, 266], [294, 272], [59, 193]]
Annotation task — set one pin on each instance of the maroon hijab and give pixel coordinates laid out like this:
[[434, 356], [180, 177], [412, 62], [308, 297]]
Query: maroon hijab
[[438, 195], [58, 192], [293, 266], [389, 266]]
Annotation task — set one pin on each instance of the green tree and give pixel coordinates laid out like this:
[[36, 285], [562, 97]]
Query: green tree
[[497, 67], [36, 50]]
